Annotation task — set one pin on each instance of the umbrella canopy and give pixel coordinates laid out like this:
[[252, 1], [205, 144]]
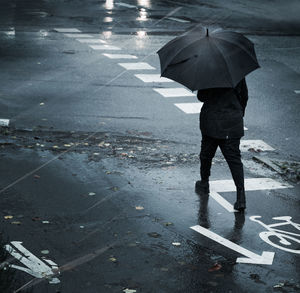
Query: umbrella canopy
[[201, 60]]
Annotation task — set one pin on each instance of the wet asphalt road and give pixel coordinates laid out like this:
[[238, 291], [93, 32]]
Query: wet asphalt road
[[98, 169]]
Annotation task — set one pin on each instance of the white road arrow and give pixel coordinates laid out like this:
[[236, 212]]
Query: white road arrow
[[250, 257]]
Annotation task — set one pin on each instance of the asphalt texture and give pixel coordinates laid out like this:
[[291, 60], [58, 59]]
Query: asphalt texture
[[98, 170]]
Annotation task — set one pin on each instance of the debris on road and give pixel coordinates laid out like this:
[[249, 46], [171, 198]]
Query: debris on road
[[215, 267]]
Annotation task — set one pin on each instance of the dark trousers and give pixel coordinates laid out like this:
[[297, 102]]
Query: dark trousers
[[231, 151]]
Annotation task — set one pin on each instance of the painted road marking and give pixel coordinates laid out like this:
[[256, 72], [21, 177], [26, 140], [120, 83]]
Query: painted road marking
[[286, 237], [91, 41], [4, 122], [152, 78], [125, 5], [245, 128], [67, 30], [189, 108], [251, 184], [255, 144], [137, 66], [266, 258], [174, 92], [119, 56], [297, 91], [178, 19], [34, 266], [78, 36], [104, 47]]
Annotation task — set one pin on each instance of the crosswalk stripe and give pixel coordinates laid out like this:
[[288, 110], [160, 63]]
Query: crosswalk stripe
[[297, 91], [119, 56], [67, 30], [174, 92], [255, 144], [251, 184], [78, 35], [137, 66], [152, 78], [104, 47], [4, 122], [178, 19], [91, 41], [190, 108]]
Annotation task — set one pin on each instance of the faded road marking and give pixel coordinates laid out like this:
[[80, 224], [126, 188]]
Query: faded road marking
[[119, 56], [137, 66], [91, 41], [189, 108], [104, 47], [174, 92], [152, 78], [67, 30]]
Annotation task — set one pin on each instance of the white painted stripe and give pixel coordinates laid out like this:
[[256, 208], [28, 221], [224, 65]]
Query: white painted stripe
[[119, 56], [152, 78], [174, 92], [137, 66], [245, 128], [78, 35], [67, 30], [255, 144], [4, 122], [104, 47], [91, 41], [125, 5], [250, 185], [190, 108], [221, 200], [297, 91], [178, 19], [265, 258]]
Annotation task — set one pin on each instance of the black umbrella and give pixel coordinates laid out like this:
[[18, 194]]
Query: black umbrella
[[200, 60]]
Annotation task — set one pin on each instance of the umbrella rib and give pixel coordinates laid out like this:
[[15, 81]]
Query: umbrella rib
[[236, 44], [220, 53]]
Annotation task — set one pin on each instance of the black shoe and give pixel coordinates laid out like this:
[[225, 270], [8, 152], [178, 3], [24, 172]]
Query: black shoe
[[202, 186], [240, 203]]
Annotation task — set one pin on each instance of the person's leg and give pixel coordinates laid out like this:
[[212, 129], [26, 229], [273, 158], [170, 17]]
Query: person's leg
[[209, 146], [231, 151]]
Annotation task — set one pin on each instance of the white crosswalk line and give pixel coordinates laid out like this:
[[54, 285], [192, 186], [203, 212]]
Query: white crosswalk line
[[91, 41], [104, 47], [125, 5], [137, 66], [178, 19], [251, 184], [190, 108], [67, 30], [297, 91], [78, 35], [255, 144], [174, 92], [4, 122], [119, 56], [152, 78]]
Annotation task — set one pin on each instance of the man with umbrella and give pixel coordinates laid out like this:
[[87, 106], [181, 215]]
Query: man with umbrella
[[215, 64]]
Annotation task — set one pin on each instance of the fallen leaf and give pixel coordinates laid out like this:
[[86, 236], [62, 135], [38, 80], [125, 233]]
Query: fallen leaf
[[36, 219], [113, 259], [129, 290], [16, 223], [8, 217], [45, 251], [176, 243], [215, 267], [154, 235], [139, 208], [168, 223]]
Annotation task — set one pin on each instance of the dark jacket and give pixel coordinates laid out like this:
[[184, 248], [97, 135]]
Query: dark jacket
[[223, 110]]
